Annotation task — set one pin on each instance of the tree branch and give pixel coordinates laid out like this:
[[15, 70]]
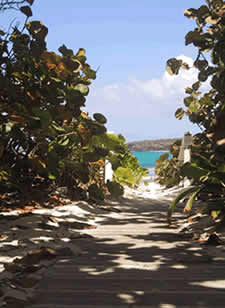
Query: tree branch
[[10, 4]]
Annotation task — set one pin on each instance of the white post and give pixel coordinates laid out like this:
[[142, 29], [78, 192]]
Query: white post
[[185, 153], [108, 171]]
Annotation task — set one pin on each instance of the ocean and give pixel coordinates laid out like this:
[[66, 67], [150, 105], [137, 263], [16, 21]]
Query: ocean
[[147, 160]]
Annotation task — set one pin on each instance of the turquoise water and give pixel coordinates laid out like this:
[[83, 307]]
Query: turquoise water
[[147, 159]]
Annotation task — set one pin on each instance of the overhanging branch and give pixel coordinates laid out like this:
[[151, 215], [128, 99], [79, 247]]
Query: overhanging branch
[[10, 4]]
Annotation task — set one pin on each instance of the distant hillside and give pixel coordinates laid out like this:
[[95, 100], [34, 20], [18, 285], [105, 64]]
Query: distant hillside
[[151, 145]]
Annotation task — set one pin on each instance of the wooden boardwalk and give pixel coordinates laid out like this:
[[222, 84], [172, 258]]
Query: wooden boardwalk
[[134, 260]]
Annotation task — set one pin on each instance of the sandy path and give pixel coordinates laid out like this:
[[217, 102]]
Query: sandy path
[[133, 259]]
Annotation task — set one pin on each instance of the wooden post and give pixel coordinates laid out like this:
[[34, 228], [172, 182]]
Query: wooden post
[[185, 153]]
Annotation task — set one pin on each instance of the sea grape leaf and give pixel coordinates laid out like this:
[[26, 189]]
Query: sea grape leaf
[[91, 156], [98, 129], [81, 52], [203, 11], [196, 85], [95, 192], [203, 76], [211, 20], [188, 90], [80, 55], [193, 107], [116, 190], [191, 13], [192, 36], [37, 29], [65, 51], [163, 157], [82, 88], [193, 171], [64, 141], [26, 10], [201, 64], [89, 72], [173, 66], [100, 118], [179, 113]]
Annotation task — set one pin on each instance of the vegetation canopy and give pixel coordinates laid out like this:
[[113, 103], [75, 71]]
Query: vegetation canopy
[[45, 137], [207, 110]]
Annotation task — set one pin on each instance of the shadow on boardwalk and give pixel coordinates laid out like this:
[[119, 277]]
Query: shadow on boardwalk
[[134, 259]]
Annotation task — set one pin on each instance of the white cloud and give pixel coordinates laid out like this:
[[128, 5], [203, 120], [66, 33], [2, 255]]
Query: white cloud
[[139, 103]]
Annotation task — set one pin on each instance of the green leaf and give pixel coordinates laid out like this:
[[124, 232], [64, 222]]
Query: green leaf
[[26, 10], [73, 64], [203, 76], [173, 66], [51, 176], [192, 36], [82, 88], [100, 118], [188, 90], [44, 115], [95, 192], [163, 157], [91, 156], [203, 11], [179, 113], [64, 141], [190, 201], [65, 51], [89, 72], [116, 190], [201, 64], [222, 168], [80, 55], [57, 127], [193, 107], [188, 100], [37, 29], [193, 171], [212, 21], [102, 151], [37, 48], [196, 86], [178, 198], [98, 129], [81, 52], [191, 13]]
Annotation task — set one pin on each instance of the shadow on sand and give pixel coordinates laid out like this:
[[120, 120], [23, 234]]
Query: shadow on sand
[[134, 259]]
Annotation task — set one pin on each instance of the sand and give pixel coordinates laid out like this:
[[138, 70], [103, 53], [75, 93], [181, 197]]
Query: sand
[[55, 229]]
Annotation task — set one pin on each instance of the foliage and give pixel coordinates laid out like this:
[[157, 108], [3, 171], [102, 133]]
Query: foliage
[[45, 135], [127, 170], [115, 189], [207, 110], [130, 172], [168, 169]]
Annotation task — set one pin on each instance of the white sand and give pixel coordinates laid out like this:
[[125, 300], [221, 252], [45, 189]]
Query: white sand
[[153, 191], [53, 228]]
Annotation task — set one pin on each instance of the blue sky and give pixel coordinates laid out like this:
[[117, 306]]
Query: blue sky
[[131, 41]]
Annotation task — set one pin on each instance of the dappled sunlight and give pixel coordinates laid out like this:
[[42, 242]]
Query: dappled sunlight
[[126, 254], [216, 284], [133, 257]]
